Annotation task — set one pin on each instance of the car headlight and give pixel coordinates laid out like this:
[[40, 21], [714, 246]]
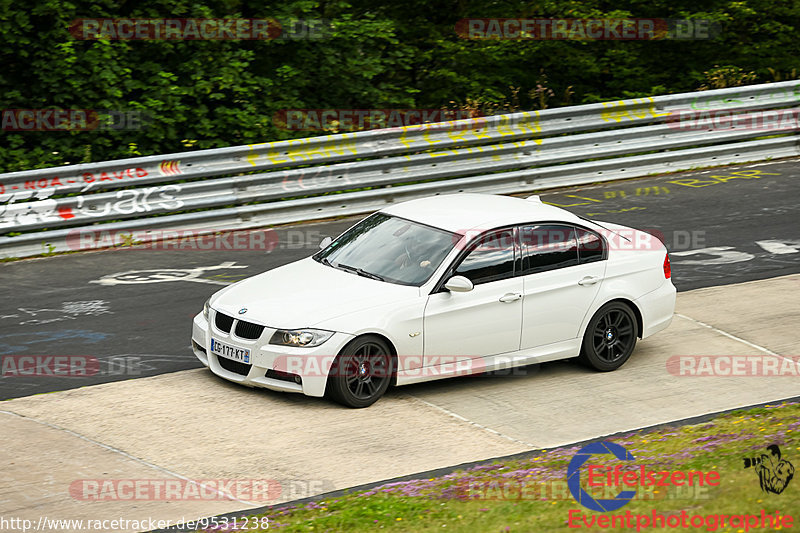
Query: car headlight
[[206, 307], [300, 337]]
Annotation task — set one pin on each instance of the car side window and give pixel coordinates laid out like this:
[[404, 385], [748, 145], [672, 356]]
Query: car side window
[[590, 246], [491, 259], [548, 247]]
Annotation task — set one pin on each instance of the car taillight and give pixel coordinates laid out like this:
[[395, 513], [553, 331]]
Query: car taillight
[[667, 267]]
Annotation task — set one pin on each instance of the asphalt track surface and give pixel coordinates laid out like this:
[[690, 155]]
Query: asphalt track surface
[[722, 226]]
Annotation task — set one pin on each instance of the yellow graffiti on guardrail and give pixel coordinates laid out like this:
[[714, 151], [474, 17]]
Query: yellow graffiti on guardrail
[[529, 125], [638, 108], [300, 150], [304, 150]]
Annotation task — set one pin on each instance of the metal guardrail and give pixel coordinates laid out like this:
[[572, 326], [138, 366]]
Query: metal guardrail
[[287, 181]]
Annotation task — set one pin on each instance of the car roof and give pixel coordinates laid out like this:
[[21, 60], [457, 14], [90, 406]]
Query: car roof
[[468, 212]]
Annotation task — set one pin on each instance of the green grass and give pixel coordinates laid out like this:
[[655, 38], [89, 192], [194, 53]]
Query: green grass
[[458, 502]]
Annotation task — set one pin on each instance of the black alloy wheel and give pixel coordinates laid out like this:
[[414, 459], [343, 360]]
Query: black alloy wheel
[[610, 337], [361, 373]]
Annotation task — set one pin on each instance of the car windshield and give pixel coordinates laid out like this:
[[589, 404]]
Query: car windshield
[[389, 248]]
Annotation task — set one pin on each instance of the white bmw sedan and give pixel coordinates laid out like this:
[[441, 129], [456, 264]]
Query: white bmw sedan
[[440, 287]]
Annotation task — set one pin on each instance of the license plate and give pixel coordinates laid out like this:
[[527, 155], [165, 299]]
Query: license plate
[[230, 352]]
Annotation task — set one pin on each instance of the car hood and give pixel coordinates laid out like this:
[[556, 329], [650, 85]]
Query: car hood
[[305, 294]]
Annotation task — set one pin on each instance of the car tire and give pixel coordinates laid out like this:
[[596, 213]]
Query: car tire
[[361, 373], [610, 337]]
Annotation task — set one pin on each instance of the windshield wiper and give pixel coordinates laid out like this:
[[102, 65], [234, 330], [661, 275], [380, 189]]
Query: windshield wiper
[[360, 272]]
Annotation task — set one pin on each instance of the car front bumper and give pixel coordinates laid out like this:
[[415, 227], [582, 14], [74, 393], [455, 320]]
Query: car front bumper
[[271, 366]]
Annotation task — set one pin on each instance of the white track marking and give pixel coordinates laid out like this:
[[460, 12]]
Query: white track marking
[[470, 422], [129, 456], [160, 275], [734, 337]]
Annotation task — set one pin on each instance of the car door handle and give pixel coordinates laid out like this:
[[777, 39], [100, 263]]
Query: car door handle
[[589, 280], [510, 297]]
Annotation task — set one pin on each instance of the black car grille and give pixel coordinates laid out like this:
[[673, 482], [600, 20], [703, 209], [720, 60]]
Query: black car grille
[[248, 330], [234, 366], [223, 322]]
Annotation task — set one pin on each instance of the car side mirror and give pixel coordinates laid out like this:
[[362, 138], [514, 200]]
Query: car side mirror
[[325, 242], [459, 284]]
